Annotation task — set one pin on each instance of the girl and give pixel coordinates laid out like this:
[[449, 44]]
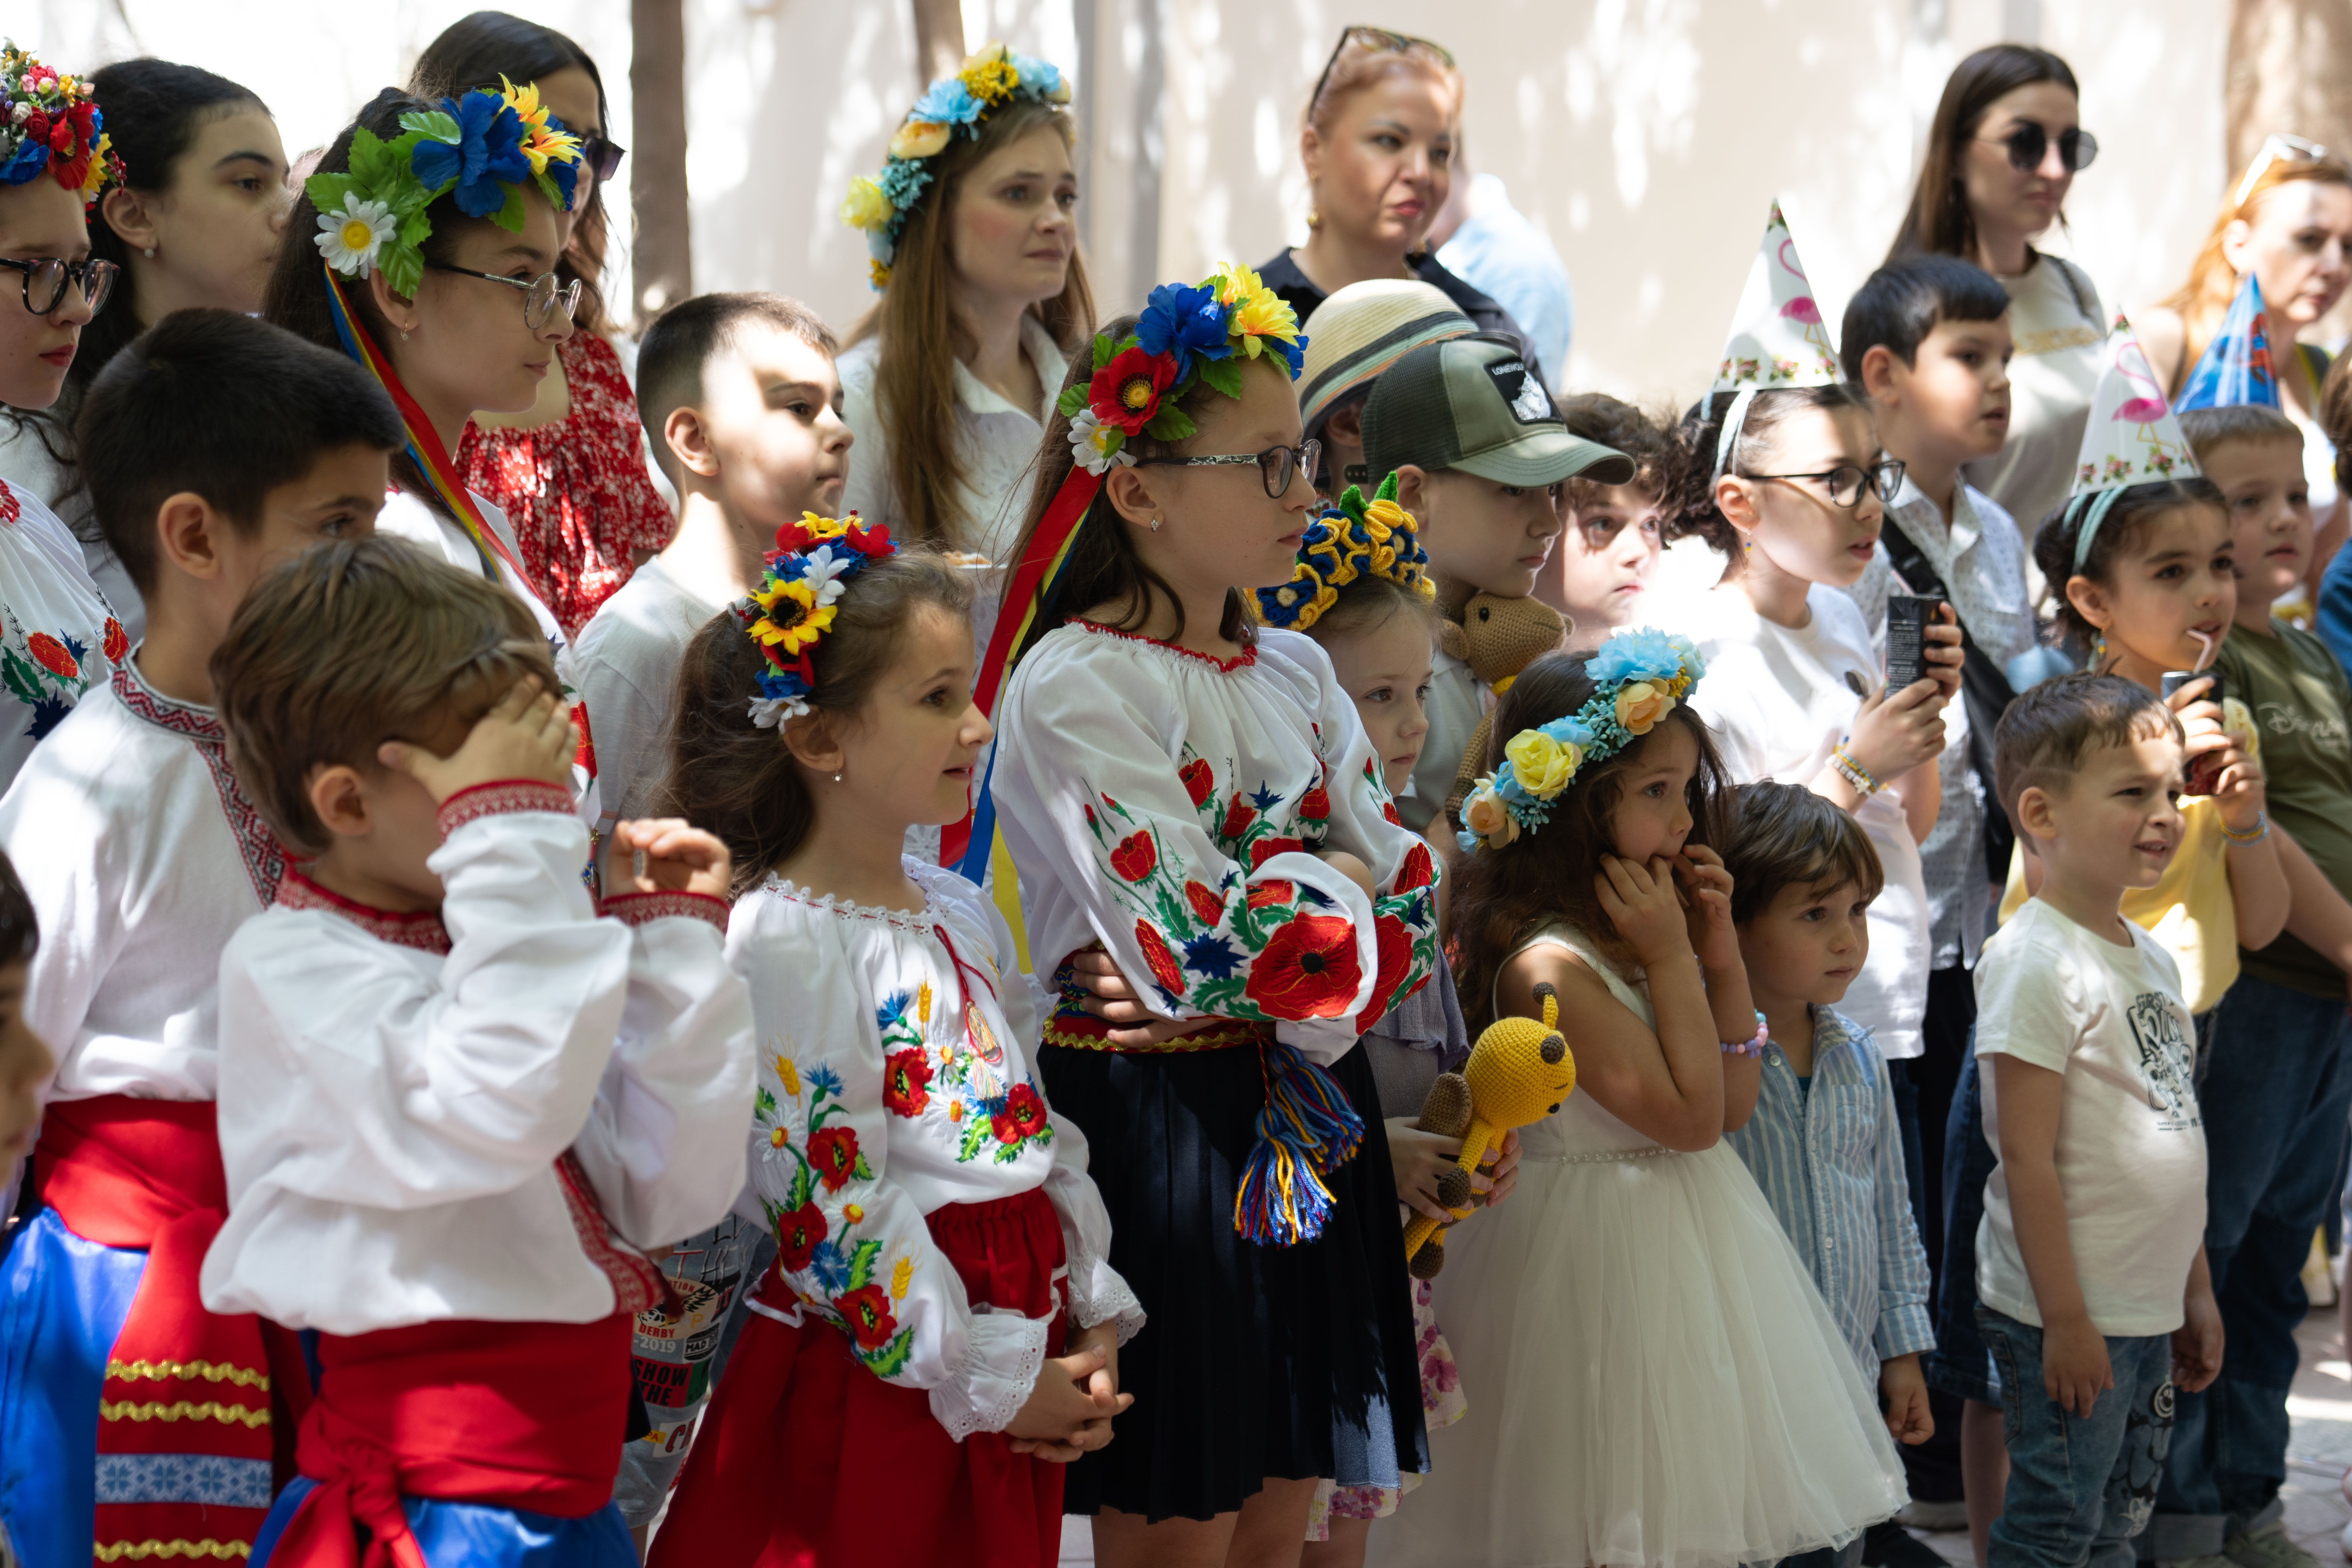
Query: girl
[[941, 1313], [1607, 555], [1199, 798], [570, 470], [1656, 1381]]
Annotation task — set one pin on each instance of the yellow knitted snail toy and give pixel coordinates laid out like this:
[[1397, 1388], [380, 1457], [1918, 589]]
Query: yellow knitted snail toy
[[1518, 1074]]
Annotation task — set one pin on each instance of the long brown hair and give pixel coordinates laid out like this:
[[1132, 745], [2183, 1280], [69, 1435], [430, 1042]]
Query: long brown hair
[[914, 372], [1500, 896], [2205, 298], [1938, 219]]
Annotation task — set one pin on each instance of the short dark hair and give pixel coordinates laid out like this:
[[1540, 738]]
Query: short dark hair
[[2208, 428], [1785, 836], [2050, 728], [679, 345], [1901, 302], [2127, 517], [223, 406], [20, 926]]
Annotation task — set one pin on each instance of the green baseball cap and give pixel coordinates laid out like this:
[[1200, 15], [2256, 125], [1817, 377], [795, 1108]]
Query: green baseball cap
[[1469, 403]]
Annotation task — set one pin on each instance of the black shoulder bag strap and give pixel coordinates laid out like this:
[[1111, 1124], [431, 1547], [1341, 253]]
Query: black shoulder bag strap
[[1984, 686]]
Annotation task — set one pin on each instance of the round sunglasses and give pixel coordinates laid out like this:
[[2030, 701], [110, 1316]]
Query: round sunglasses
[[47, 276], [2030, 144], [1276, 464]]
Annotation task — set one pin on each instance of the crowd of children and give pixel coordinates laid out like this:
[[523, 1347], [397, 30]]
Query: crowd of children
[[393, 982]]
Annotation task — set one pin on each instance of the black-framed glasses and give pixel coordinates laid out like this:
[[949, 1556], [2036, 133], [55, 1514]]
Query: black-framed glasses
[[2030, 144], [542, 296], [1884, 476], [1376, 38], [602, 157], [46, 278], [1276, 464]]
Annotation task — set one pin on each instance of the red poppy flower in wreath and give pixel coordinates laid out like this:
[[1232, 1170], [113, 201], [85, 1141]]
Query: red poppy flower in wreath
[[833, 1153], [1207, 908], [1126, 392], [1165, 968], [1267, 849], [1134, 856], [1238, 817], [905, 1077], [52, 655], [117, 642], [1314, 806], [1307, 971], [1395, 949], [1417, 872], [797, 1234], [867, 1310], [1200, 779], [1275, 892], [71, 136], [1023, 1118]]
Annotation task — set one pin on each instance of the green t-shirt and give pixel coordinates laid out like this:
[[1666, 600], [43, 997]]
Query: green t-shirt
[[2300, 702]]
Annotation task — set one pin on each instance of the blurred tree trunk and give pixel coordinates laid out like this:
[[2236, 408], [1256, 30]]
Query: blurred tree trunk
[[939, 40], [657, 194], [2290, 69]]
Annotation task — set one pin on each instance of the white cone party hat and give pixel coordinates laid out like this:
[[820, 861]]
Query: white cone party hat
[[2133, 437], [1779, 336]]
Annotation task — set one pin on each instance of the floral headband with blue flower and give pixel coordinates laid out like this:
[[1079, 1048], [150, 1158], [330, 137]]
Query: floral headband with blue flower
[[955, 105], [1639, 675], [1350, 542], [483, 146], [50, 124], [793, 609]]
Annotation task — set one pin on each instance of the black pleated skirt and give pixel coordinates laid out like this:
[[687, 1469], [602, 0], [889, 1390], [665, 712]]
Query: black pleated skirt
[[1257, 1361]]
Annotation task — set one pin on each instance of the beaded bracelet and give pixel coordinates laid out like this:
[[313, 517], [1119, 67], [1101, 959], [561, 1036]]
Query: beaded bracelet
[[1749, 1048], [2255, 834], [1854, 773]]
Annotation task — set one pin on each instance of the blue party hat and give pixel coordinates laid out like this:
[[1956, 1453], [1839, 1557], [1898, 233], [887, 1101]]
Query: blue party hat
[[2235, 368]]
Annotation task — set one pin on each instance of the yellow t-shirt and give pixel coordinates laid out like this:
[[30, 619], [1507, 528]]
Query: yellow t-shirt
[[2188, 911]]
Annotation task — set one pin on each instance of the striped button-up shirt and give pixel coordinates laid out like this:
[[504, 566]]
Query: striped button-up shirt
[[1830, 1163]]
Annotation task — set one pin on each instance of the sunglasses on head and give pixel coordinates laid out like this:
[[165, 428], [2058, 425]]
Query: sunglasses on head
[[1379, 39], [2277, 145], [2030, 144]]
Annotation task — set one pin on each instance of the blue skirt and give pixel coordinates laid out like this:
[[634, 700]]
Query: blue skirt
[[476, 1535]]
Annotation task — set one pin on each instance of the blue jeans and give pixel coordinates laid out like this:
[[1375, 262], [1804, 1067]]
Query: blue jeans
[[2080, 1486], [2274, 1101], [1958, 1365]]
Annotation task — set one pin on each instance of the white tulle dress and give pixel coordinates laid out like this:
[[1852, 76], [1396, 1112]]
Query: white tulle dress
[[1651, 1376]]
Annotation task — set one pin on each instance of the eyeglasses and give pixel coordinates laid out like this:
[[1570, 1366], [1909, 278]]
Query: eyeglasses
[[602, 157], [2030, 144], [2278, 144], [45, 279], [1845, 482], [1376, 38], [542, 296], [1276, 464]]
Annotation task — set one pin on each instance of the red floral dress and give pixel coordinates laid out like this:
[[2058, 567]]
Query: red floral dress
[[576, 489]]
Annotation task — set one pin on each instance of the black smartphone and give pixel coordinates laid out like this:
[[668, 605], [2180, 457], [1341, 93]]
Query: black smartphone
[[2205, 771], [1908, 617]]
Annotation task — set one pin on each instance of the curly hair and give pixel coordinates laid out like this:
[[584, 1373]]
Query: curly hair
[[1654, 439]]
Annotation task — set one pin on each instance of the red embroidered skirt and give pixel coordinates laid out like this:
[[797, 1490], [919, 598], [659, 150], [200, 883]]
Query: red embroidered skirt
[[807, 1459]]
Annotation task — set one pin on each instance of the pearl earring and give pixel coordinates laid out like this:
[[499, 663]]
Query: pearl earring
[[836, 778], [151, 253], [404, 334]]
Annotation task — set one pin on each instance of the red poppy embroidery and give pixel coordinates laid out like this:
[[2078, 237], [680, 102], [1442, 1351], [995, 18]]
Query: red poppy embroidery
[[867, 1310], [1417, 872], [1275, 892], [1237, 817], [904, 1076], [833, 1153], [1155, 953], [797, 1234], [52, 655], [1307, 971], [118, 641], [1396, 957], [1389, 814], [1265, 849], [1314, 806], [1023, 1118], [1090, 814], [9, 508], [1200, 781], [1206, 906], [1134, 856]]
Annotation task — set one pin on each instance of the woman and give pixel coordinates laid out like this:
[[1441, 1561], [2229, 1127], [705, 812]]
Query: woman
[[2005, 146], [570, 470], [2289, 222], [1377, 141]]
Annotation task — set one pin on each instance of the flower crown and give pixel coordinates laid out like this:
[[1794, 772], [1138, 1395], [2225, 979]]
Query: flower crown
[[993, 76], [51, 121], [1185, 335], [792, 609], [1639, 675], [1347, 543], [482, 145]]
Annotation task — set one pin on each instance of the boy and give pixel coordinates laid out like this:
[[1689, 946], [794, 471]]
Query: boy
[[438, 1156], [1824, 1143], [1611, 533], [1477, 450], [2094, 1296], [215, 445]]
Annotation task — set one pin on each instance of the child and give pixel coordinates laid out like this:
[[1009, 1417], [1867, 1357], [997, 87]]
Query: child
[[1477, 450], [1199, 798], [440, 1158], [1611, 534], [1350, 337], [934, 1217], [216, 445], [1652, 1376], [1824, 1143], [2096, 1297]]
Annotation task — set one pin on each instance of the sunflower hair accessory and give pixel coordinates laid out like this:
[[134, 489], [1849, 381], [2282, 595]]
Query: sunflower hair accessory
[[1638, 676], [954, 105], [1346, 543], [484, 147], [52, 123], [791, 611]]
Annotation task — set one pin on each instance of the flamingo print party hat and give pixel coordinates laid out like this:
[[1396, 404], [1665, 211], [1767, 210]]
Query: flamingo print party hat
[[1779, 335], [2235, 368], [2133, 437]]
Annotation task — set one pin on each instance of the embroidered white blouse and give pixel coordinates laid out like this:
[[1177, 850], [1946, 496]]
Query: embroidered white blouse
[[395, 1090], [1168, 805], [59, 637], [897, 1077]]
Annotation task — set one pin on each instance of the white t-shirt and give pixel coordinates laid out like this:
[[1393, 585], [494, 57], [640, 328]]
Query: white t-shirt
[[1777, 699], [627, 659], [2131, 1145]]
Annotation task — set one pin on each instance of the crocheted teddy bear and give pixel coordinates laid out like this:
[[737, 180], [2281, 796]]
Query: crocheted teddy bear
[[1496, 638]]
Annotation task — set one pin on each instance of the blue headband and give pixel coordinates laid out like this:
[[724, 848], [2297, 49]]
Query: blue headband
[[2100, 501]]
